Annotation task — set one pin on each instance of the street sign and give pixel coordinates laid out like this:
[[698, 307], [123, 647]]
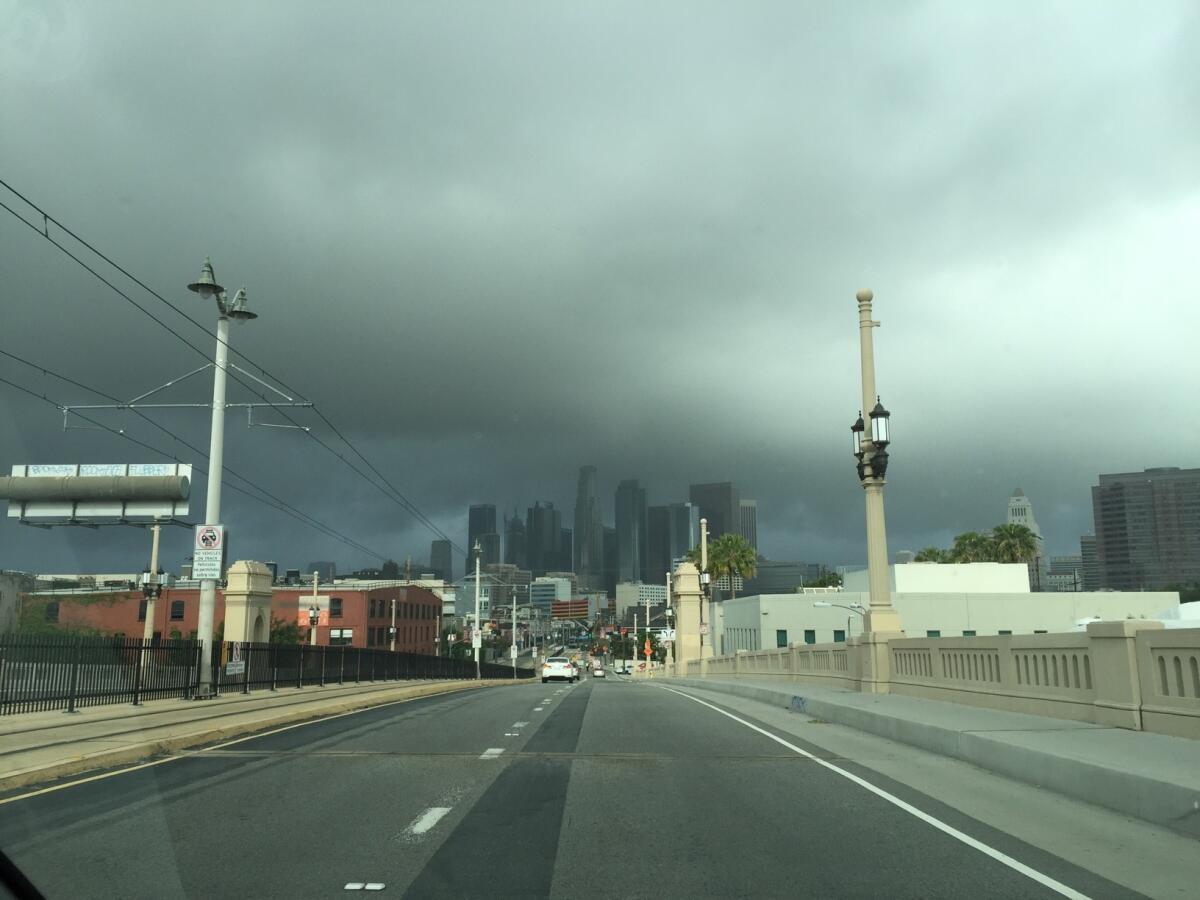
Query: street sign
[[667, 634], [647, 650], [477, 638], [704, 628], [512, 651], [236, 665], [208, 552]]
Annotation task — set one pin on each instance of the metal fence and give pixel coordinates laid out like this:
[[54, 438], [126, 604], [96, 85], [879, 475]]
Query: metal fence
[[247, 666], [50, 672]]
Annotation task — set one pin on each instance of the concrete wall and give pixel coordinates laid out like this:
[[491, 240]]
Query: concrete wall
[[751, 623], [934, 578]]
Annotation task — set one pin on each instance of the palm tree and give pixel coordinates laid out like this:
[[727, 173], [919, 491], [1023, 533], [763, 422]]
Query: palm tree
[[1014, 544], [932, 554], [731, 555], [971, 546]]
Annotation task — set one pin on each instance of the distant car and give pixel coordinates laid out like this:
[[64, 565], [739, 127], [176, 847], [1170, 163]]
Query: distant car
[[598, 672], [559, 668]]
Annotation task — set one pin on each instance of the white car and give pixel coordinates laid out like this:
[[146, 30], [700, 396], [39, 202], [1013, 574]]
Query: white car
[[598, 672], [558, 668]]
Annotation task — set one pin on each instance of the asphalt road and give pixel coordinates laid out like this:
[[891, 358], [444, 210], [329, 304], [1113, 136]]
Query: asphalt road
[[600, 789]]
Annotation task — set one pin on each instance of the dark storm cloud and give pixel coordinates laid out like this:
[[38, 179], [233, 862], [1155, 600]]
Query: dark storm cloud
[[496, 241]]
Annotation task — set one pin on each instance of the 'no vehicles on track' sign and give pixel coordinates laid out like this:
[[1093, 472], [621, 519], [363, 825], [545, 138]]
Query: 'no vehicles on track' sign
[[208, 552]]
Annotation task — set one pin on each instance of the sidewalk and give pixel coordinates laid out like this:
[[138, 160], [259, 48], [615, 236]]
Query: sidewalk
[[1150, 776], [42, 746]]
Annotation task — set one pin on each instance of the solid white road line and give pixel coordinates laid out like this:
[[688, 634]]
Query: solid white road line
[[519, 724], [427, 820], [1004, 859], [491, 752]]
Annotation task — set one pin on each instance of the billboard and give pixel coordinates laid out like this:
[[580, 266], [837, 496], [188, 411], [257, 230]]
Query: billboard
[[119, 492]]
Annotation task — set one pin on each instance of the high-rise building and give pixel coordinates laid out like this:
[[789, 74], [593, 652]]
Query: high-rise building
[[565, 559], [610, 561], [481, 519], [631, 531], [326, 568], [543, 538], [685, 529], [515, 551], [510, 584], [1089, 565], [588, 559], [545, 591], [489, 544], [1020, 512], [441, 560], [748, 521], [658, 542], [720, 504], [1065, 573], [1147, 528]]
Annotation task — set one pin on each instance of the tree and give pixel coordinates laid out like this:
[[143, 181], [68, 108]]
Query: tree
[[391, 569], [1013, 544], [284, 632], [731, 555], [932, 554], [827, 579], [971, 546]]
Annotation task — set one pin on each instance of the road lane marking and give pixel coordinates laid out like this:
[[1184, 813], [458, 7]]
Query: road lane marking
[[519, 724], [427, 820], [538, 708], [1002, 858], [491, 752], [511, 734]]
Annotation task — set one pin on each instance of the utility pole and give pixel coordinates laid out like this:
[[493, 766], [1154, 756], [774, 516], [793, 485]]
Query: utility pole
[[513, 651], [633, 672], [312, 636], [393, 625], [704, 578], [476, 635], [153, 584], [647, 634]]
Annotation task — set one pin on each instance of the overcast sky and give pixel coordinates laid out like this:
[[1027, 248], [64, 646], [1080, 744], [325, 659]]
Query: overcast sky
[[495, 241]]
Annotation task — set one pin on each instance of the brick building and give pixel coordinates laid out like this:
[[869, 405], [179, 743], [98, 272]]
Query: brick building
[[357, 615]]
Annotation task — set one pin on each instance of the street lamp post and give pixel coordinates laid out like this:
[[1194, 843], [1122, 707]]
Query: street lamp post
[[705, 579], [870, 449], [476, 637], [152, 585], [392, 629], [314, 616], [854, 608], [206, 286]]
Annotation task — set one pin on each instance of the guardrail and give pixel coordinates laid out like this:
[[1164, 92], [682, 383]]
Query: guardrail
[[1130, 674]]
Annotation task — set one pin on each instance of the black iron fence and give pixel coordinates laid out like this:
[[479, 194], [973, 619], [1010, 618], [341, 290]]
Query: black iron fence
[[52, 672]]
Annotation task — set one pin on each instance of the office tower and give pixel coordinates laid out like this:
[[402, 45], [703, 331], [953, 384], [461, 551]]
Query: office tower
[[588, 558], [685, 529], [327, 570], [481, 519], [658, 542], [440, 559], [1147, 528], [1089, 565], [565, 557], [610, 561], [720, 504], [515, 549], [543, 537], [490, 547], [748, 521], [631, 531]]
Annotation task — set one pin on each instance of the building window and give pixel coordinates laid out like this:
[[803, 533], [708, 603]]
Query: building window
[[340, 636], [1039, 631], [52, 611], [933, 632], [176, 610], [810, 636], [1005, 631], [142, 610], [970, 633], [335, 607], [780, 637], [839, 635]]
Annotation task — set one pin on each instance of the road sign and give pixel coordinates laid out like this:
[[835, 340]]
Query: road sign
[[647, 650], [235, 668], [512, 651], [704, 628], [667, 634], [208, 552]]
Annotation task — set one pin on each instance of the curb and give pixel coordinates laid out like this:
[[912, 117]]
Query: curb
[[1173, 806], [102, 759]]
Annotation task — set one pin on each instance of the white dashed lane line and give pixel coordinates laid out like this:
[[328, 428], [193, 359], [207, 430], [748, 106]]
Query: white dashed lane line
[[491, 752], [427, 820]]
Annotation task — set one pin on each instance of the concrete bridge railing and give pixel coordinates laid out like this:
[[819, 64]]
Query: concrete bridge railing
[[1128, 674]]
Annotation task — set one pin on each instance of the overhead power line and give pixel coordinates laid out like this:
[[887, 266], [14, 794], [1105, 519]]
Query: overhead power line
[[388, 489], [267, 498]]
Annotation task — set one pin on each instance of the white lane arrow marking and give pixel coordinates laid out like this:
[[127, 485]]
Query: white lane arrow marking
[[427, 820]]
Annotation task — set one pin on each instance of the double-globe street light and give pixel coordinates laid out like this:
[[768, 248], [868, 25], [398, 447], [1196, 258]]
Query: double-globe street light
[[206, 286], [856, 608]]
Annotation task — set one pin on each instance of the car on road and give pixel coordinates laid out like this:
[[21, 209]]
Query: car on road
[[559, 668], [598, 671]]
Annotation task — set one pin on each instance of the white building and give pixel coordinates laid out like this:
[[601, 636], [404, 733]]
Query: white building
[[545, 590], [936, 578], [637, 593], [1020, 512], [766, 621]]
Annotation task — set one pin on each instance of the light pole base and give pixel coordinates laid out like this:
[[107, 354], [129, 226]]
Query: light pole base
[[883, 620]]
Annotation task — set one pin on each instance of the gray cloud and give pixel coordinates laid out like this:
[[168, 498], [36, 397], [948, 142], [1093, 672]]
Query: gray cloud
[[496, 241]]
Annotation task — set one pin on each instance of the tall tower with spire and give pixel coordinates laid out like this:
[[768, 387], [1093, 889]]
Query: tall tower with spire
[[1020, 512]]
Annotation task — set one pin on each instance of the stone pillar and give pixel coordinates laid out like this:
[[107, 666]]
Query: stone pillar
[[248, 602], [1112, 647], [688, 599]]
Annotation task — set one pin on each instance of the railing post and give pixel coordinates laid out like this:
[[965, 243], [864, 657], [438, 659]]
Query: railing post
[[372, 666], [274, 661], [300, 667], [1113, 650], [137, 678], [246, 670], [342, 666], [75, 676], [323, 666], [358, 667]]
